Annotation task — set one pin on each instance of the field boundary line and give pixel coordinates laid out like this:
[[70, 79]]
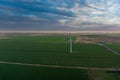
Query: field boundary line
[[109, 49], [54, 66]]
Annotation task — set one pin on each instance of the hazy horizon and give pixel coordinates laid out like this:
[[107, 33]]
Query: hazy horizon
[[82, 32]]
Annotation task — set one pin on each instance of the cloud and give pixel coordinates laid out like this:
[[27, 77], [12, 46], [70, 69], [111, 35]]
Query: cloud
[[62, 13]]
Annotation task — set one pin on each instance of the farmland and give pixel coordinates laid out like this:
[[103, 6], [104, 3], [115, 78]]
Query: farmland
[[115, 46], [19, 53], [17, 72]]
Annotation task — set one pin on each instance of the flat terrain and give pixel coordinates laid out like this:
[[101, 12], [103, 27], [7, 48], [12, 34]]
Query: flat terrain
[[103, 75], [17, 53], [54, 50], [17, 72], [114, 46]]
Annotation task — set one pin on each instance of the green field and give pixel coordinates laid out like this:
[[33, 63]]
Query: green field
[[114, 46], [18, 72], [54, 50], [51, 50]]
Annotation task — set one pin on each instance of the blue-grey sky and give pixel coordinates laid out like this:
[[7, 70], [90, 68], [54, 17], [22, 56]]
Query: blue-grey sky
[[59, 14]]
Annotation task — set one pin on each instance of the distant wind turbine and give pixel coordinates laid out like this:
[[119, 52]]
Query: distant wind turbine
[[71, 50]]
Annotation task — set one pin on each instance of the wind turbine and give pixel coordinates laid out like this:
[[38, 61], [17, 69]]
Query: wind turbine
[[71, 45]]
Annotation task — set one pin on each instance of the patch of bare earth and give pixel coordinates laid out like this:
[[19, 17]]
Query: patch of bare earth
[[107, 39], [4, 37], [80, 39]]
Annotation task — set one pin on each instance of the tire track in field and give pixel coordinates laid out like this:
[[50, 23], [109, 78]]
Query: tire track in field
[[53, 66]]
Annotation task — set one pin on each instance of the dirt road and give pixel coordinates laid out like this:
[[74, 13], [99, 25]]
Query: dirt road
[[54, 66], [108, 48]]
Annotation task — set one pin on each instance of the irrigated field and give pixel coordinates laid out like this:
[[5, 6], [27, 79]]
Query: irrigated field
[[37, 55], [115, 46], [20, 72], [54, 50]]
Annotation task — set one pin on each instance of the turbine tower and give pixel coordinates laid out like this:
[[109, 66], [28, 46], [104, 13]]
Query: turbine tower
[[71, 50]]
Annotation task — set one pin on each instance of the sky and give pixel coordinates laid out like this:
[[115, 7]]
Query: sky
[[60, 15]]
